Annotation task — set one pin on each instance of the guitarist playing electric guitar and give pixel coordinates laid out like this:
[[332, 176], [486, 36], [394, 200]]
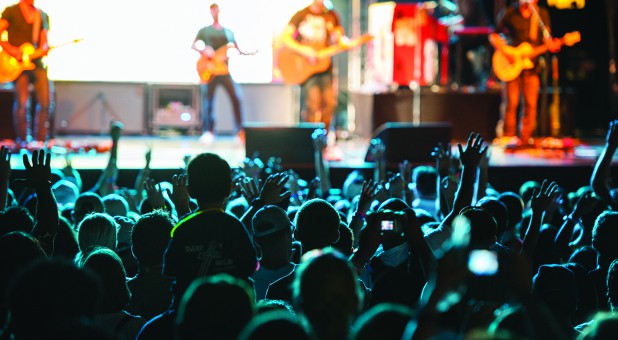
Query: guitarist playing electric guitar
[[212, 42], [26, 27], [310, 30], [524, 22]]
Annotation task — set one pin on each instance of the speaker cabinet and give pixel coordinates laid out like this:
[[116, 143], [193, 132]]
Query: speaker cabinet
[[293, 145], [406, 141], [88, 108]]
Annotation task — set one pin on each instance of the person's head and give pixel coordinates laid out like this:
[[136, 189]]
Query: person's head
[[317, 224], [51, 292], [353, 184], [605, 237], [345, 243], [65, 243], [498, 210], [15, 218], [556, 286], [612, 286], [86, 203], [210, 179], [383, 321], [273, 325], [214, 11], [527, 189], [425, 179], [97, 229], [585, 256], [272, 233], [515, 207], [17, 250], [483, 227], [390, 240], [150, 237], [115, 205], [65, 192], [215, 307], [107, 265], [326, 290]]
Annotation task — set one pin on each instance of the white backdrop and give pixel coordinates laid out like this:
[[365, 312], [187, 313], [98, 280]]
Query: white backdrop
[[150, 40]]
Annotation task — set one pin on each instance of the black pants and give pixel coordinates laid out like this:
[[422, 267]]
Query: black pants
[[208, 101]]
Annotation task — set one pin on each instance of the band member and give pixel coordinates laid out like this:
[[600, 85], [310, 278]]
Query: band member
[[208, 40], [522, 24], [25, 23], [311, 29]]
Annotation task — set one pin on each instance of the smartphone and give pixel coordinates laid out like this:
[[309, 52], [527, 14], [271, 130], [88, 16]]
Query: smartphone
[[388, 225], [483, 262]]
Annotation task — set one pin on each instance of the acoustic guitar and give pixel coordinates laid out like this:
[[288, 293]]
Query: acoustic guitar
[[11, 68], [296, 68], [507, 64]]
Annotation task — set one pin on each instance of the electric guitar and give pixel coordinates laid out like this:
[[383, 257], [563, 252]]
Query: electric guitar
[[216, 65], [507, 64], [11, 68], [296, 68]]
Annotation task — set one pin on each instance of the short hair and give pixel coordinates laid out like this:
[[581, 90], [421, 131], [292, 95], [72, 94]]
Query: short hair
[[425, 177], [498, 210], [383, 321], [150, 237], [612, 285], [115, 205], [209, 177], [217, 306], [86, 203], [15, 218], [214, 5], [483, 226], [317, 224], [605, 235], [514, 206], [97, 229]]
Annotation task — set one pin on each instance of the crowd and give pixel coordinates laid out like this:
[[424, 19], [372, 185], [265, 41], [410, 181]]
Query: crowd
[[430, 251]]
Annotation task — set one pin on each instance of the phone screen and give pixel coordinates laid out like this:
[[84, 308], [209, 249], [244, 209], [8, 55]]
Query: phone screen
[[483, 262], [388, 225]]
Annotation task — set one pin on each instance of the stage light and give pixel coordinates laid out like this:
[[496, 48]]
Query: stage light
[[567, 4], [185, 116]]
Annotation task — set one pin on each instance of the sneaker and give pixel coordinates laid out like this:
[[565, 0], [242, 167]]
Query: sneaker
[[207, 138]]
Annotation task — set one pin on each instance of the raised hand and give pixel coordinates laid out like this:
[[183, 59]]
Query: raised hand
[[377, 149], [397, 187], [249, 188], [474, 152], [542, 200], [154, 194], [39, 172], [5, 164], [115, 129], [272, 190], [444, 159], [180, 195], [253, 167], [368, 193], [319, 137]]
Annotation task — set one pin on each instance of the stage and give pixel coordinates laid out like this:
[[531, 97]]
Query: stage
[[571, 167]]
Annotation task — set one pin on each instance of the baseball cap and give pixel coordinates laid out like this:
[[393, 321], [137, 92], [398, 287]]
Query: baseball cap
[[269, 220]]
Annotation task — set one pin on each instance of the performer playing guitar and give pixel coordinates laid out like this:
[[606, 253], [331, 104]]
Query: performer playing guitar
[[310, 30], [27, 26], [524, 22]]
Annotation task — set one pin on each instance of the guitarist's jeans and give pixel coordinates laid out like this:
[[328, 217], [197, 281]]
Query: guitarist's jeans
[[21, 118], [527, 84], [208, 101]]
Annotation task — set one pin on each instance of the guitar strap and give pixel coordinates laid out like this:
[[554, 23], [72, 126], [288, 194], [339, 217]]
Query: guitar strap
[[534, 28]]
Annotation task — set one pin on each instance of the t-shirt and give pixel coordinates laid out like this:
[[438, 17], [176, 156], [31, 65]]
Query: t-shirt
[[215, 37], [264, 277], [209, 242], [315, 30], [19, 30], [518, 28]]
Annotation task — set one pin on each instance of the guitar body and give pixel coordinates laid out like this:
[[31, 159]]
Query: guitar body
[[11, 68], [508, 69], [296, 69], [208, 67]]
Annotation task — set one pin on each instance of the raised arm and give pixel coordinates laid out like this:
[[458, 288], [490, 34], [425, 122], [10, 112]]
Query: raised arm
[[107, 182], [321, 168], [539, 204], [5, 175], [38, 177], [469, 158], [601, 173]]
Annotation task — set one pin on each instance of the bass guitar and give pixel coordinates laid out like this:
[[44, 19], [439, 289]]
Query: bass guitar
[[507, 64], [11, 68], [296, 68]]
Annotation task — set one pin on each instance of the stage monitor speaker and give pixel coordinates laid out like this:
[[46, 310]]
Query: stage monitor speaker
[[407, 141], [293, 144], [88, 108]]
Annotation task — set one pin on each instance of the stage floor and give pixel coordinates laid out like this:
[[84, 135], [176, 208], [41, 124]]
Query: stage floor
[[88, 153]]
